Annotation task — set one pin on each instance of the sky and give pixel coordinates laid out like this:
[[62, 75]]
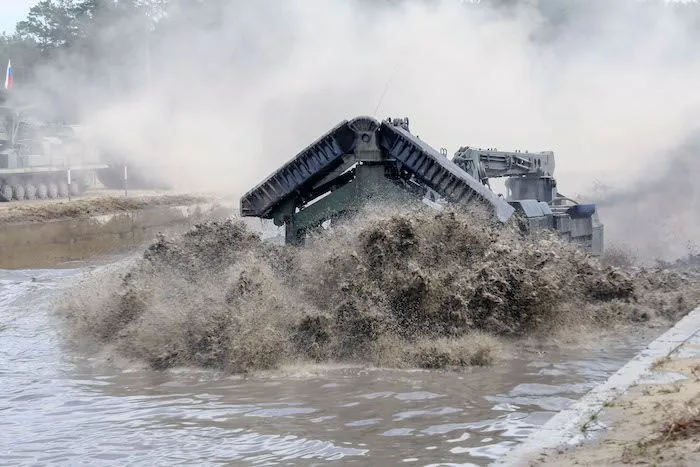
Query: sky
[[12, 12]]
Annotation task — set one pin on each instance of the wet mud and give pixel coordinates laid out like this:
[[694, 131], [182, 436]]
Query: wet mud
[[86, 206], [57, 234], [398, 286]]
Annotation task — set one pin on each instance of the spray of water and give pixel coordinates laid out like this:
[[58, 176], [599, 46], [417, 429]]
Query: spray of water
[[234, 88], [398, 286]]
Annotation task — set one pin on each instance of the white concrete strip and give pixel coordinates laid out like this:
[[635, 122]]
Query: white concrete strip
[[564, 428]]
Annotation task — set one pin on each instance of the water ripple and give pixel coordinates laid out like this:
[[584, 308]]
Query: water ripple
[[61, 408]]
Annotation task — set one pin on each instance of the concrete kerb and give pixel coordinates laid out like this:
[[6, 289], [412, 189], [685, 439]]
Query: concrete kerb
[[565, 429]]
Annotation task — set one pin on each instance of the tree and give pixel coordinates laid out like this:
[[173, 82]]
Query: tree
[[24, 55], [56, 24]]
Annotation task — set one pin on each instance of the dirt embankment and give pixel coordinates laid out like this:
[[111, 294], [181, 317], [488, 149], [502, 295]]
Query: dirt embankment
[[400, 287], [48, 233], [91, 205]]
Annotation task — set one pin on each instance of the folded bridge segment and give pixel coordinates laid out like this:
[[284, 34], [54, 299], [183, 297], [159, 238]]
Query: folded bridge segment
[[357, 161]]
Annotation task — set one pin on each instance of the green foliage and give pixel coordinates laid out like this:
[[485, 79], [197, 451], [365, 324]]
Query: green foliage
[[53, 24], [24, 54]]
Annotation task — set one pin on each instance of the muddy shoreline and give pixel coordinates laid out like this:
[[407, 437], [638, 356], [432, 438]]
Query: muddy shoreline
[[52, 233]]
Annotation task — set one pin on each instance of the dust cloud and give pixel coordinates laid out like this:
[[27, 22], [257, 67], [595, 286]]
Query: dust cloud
[[399, 286], [230, 90], [657, 217]]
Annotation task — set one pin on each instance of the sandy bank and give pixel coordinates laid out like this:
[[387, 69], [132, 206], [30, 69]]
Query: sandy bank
[[655, 422], [653, 425], [49, 233], [93, 203]]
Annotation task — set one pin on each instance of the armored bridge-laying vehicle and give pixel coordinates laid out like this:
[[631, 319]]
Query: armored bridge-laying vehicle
[[362, 160]]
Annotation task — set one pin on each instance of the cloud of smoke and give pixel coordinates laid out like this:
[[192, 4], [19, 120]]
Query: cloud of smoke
[[657, 217], [228, 99]]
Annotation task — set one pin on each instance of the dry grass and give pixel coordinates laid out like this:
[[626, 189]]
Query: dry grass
[[661, 446], [681, 426], [658, 363], [684, 426]]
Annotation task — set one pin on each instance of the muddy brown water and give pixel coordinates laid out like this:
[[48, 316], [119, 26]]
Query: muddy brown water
[[59, 406], [65, 240]]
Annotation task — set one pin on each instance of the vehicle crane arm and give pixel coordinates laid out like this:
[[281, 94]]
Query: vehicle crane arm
[[483, 164]]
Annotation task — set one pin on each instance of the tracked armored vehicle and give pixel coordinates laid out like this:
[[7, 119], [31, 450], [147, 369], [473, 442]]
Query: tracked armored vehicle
[[362, 159], [41, 160]]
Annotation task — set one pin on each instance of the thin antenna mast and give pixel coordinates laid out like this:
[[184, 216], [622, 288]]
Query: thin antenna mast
[[386, 88]]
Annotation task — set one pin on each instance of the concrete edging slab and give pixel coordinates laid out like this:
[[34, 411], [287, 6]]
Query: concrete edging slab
[[564, 428]]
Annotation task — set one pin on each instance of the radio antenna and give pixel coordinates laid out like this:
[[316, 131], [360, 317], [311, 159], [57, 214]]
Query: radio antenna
[[386, 88]]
